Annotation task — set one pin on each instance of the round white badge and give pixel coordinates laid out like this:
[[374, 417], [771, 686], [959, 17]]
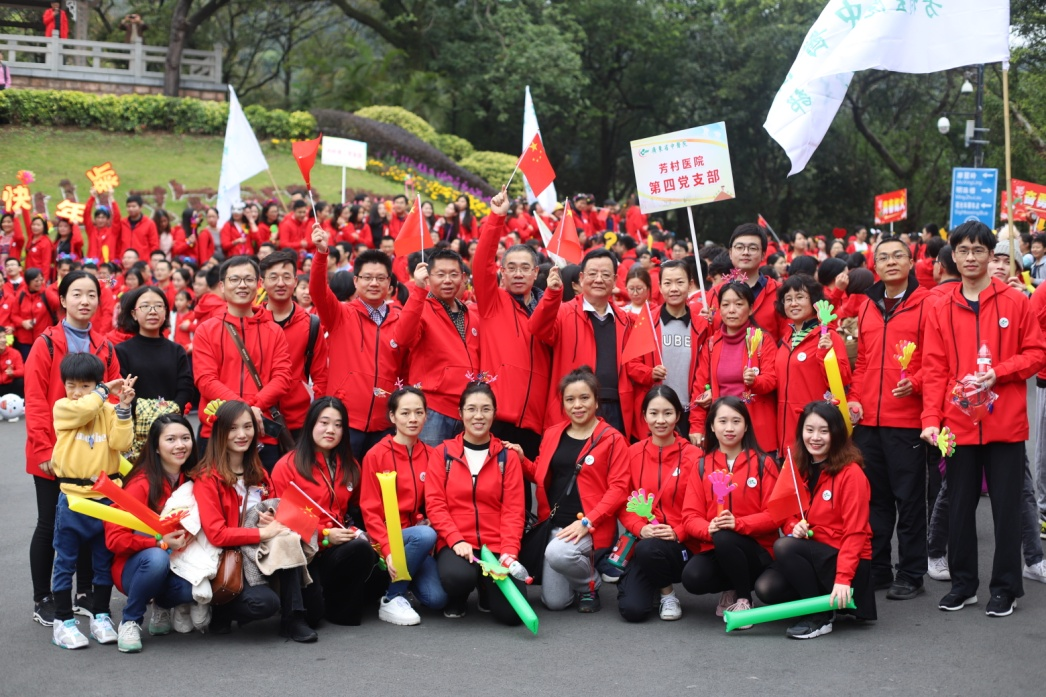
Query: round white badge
[[474, 332], [421, 476], [393, 344], [826, 495], [752, 482], [589, 459], [755, 369], [1003, 322], [801, 356]]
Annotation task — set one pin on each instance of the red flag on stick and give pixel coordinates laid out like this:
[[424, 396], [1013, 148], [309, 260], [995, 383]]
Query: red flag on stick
[[565, 242], [535, 166], [643, 339], [298, 513], [305, 154], [784, 501], [762, 222], [414, 232]]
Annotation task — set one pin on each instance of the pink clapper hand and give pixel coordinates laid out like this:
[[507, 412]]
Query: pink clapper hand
[[721, 487], [642, 504]]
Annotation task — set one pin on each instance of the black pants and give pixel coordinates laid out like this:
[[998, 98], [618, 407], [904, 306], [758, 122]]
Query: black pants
[[806, 569], [15, 387], [41, 546], [735, 564], [895, 464], [459, 578], [261, 602], [344, 583], [611, 413], [1003, 465], [655, 564]]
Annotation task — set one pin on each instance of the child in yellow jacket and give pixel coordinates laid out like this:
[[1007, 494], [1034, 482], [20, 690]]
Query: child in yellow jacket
[[91, 434]]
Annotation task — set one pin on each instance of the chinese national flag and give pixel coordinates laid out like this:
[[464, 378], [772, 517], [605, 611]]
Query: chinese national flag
[[305, 154], [535, 166], [298, 513], [784, 501], [643, 339], [762, 222], [565, 242], [413, 232]]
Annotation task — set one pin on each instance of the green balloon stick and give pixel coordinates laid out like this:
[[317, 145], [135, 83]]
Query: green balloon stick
[[516, 599], [780, 611]]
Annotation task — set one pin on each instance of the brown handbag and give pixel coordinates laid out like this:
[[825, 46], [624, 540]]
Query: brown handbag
[[276, 424], [228, 581]]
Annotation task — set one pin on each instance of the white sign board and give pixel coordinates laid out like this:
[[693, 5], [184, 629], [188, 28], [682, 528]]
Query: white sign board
[[342, 152], [685, 168]]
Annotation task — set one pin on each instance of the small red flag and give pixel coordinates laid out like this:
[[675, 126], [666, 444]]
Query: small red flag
[[565, 242], [535, 166], [642, 340], [298, 513], [762, 222], [784, 500], [413, 232], [305, 154]]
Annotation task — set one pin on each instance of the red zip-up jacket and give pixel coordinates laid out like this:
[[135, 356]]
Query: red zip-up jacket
[[31, 306], [123, 542], [76, 244], [837, 512], [11, 246], [63, 23], [410, 468], [39, 254], [220, 372], [102, 242], [764, 313], [487, 509], [230, 233], [363, 373], [801, 379], [54, 303], [1038, 310], [567, 328], [295, 402], [953, 338], [747, 502], [663, 472], [10, 358], [183, 337], [201, 249], [601, 485], [439, 358], [44, 387], [327, 492], [762, 408], [877, 372], [143, 237], [508, 348], [209, 305], [219, 506], [291, 233]]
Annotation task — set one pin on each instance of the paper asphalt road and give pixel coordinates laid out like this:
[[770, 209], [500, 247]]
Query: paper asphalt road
[[914, 648]]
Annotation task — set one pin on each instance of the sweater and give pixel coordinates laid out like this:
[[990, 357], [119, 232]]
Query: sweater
[[90, 439], [162, 367]]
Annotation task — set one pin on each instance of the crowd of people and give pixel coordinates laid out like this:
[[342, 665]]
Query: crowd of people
[[504, 392]]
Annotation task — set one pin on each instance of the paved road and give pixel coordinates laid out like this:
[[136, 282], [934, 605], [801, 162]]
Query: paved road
[[913, 649]]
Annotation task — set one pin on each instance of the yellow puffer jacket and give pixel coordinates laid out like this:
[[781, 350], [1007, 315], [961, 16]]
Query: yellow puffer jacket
[[90, 440]]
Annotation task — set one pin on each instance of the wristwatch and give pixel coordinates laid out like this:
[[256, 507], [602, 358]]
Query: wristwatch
[[104, 390]]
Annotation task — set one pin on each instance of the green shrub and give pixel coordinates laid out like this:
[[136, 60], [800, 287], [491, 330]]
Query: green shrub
[[496, 168], [398, 116], [455, 146]]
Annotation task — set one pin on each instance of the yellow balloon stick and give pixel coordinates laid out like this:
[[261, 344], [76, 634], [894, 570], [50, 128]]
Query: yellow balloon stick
[[108, 514], [835, 383], [387, 480]]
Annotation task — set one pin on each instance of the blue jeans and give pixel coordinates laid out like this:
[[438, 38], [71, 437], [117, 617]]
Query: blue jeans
[[148, 576], [362, 441], [72, 529], [418, 542], [439, 428]]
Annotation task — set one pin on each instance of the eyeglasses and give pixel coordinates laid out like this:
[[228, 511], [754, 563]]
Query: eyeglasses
[[521, 268], [276, 278], [442, 276], [636, 291], [241, 280], [485, 410], [753, 248], [158, 309], [977, 252], [367, 280], [596, 275], [899, 255]]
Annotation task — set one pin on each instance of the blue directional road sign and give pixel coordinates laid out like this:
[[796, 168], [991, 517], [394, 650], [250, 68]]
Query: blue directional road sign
[[975, 193]]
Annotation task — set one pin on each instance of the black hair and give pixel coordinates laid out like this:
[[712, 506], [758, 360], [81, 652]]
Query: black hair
[[599, 253], [126, 321], [841, 450], [213, 277], [803, 265], [343, 285], [975, 232], [720, 264], [677, 264], [240, 260], [137, 274], [639, 272], [743, 291], [134, 198], [934, 247], [449, 255], [892, 238], [396, 396], [749, 230], [801, 282], [830, 268], [31, 274], [626, 241], [477, 388], [70, 278], [665, 392], [570, 274], [535, 257], [933, 229], [305, 450], [748, 440], [583, 374], [149, 465], [82, 367], [73, 264], [277, 258], [374, 256], [299, 204]]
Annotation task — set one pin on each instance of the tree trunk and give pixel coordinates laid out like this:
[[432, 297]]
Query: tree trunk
[[172, 74]]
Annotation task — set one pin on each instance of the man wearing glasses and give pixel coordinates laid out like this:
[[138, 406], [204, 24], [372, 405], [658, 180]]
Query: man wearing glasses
[[747, 249]]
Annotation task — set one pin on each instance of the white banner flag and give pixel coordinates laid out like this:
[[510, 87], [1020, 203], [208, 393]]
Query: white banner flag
[[906, 36], [546, 198], [242, 158]]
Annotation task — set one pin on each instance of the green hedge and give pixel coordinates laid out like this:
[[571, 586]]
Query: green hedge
[[398, 116], [144, 112], [455, 146], [496, 168]]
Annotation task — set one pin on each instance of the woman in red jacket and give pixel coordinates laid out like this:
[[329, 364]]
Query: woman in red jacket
[[582, 481], [323, 467], [837, 558], [661, 466], [409, 458], [725, 509], [230, 480], [236, 233], [30, 314], [141, 565], [69, 243], [12, 239], [753, 380], [39, 251], [474, 498]]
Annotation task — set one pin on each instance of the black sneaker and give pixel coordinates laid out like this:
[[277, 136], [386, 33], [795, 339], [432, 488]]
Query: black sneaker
[[1000, 605], [220, 624], [297, 629], [84, 604], [43, 612], [589, 602], [882, 583], [455, 607], [904, 590], [810, 627], [956, 601]]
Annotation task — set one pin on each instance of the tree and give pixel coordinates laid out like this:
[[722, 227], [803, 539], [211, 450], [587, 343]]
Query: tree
[[183, 27]]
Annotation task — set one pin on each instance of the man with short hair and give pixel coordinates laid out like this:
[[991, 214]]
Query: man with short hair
[[212, 302], [295, 231], [399, 215], [103, 229], [747, 248], [1037, 269], [136, 230]]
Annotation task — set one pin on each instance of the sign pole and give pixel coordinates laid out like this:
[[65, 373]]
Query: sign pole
[[697, 257], [343, 186], [1009, 176]]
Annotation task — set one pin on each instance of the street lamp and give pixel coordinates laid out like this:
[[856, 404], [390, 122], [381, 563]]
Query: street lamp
[[974, 126]]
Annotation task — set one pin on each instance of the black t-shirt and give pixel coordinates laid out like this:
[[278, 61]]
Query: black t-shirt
[[564, 462]]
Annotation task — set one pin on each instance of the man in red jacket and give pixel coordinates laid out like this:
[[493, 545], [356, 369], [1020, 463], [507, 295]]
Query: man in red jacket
[[305, 340], [982, 341], [889, 402], [137, 231], [295, 229], [56, 18], [219, 367], [399, 215], [747, 249], [212, 303]]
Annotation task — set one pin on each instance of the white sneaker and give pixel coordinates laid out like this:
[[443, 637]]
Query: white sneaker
[[741, 604], [102, 629], [201, 616], [14, 420], [160, 621], [670, 609], [181, 619], [130, 638], [67, 636], [937, 569], [726, 599], [1036, 572], [398, 611]]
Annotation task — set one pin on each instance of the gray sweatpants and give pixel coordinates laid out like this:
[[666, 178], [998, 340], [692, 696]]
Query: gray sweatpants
[[568, 570], [1039, 456]]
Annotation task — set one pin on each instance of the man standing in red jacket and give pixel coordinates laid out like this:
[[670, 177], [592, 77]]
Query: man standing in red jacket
[[56, 18], [888, 400], [136, 231], [295, 228], [219, 367], [982, 341], [747, 249]]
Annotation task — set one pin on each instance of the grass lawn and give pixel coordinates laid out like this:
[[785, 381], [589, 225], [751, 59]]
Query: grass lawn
[[145, 162]]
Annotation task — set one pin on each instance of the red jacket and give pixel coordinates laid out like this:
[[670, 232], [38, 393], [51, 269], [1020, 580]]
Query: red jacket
[[39, 254], [231, 232], [508, 349], [102, 242], [327, 492], [201, 249], [747, 502], [838, 514], [209, 305], [764, 312], [44, 387], [363, 373], [1038, 310], [567, 328], [219, 506], [487, 509], [663, 472], [801, 379], [877, 372], [63, 23], [10, 358], [295, 402], [31, 306], [953, 338], [76, 245], [292, 233], [183, 337], [635, 223], [220, 372], [439, 358], [11, 246], [142, 237], [602, 485], [356, 235], [763, 405], [410, 467], [54, 303]]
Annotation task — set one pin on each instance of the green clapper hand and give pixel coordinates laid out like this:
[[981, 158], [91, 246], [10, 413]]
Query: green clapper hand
[[642, 504], [825, 314]]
